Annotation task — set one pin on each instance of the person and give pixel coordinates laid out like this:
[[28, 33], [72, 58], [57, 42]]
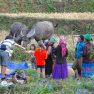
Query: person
[[40, 55], [78, 55], [50, 52], [32, 57], [60, 70], [88, 62], [5, 53]]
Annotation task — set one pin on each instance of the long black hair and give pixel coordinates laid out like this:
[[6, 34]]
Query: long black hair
[[33, 46], [82, 37]]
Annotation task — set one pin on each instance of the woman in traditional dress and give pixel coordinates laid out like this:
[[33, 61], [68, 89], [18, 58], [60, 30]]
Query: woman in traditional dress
[[88, 62], [78, 55], [50, 52], [60, 70]]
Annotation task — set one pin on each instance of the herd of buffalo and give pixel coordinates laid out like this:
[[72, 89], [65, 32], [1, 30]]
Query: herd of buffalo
[[40, 31]]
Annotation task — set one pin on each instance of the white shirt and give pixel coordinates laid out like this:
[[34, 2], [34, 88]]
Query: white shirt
[[8, 43]]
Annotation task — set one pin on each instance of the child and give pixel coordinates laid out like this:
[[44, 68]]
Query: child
[[60, 70], [32, 58], [5, 53], [41, 55]]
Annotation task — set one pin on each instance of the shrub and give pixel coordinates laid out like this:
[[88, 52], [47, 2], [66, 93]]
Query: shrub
[[70, 54], [19, 55], [92, 52]]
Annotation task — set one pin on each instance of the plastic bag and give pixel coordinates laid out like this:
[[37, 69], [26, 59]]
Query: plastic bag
[[19, 77]]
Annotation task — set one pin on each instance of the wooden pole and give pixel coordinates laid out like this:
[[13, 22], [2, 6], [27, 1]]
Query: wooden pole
[[73, 39]]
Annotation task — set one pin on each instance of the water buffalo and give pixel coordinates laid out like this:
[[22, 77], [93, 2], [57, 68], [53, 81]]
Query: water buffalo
[[19, 32], [41, 31]]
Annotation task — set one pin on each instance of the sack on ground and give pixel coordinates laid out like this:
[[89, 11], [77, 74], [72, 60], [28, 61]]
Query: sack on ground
[[19, 77]]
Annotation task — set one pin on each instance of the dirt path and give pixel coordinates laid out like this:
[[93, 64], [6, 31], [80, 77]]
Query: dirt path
[[82, 16]]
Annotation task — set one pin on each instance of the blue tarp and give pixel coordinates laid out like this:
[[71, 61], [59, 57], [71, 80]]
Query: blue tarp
[[22, 65], [69, 65], [12, 65], [8, 75]]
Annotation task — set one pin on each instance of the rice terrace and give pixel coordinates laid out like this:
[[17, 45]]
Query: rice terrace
[[69, 18]]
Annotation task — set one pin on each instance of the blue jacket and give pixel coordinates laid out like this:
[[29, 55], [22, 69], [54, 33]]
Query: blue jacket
[[80, 49]]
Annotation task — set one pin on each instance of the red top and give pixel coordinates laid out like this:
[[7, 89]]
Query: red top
[[40, 57]]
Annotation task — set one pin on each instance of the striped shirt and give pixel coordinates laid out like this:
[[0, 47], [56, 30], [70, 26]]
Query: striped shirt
[[8, 43]]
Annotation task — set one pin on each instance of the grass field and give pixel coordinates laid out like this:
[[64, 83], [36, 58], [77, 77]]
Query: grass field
[[51, 86], [76, 23], [46, 6]]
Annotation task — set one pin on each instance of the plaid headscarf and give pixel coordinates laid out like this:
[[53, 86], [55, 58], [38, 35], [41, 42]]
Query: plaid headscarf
[[63, 44]]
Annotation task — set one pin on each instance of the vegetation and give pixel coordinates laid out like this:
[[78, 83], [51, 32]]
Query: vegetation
[[86, 85], [92, 52], [70, 55], [47, 6], [19, 55], [62, 26]]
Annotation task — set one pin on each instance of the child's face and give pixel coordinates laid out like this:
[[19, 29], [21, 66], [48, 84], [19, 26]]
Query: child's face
[[32, 47]]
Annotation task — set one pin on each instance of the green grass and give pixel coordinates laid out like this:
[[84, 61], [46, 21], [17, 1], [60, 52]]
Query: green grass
[[64, 26], [46, 6], [32, 87]]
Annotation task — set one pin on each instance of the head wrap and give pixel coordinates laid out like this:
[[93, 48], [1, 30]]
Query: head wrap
[[63, 44], [88, 37], [53, 39]]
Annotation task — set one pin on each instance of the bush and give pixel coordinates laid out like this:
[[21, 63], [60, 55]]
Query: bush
[[92, 52], [19, 55], [70, 54]]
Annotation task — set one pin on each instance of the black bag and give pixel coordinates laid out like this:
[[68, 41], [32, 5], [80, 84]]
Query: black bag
[[3, 47]]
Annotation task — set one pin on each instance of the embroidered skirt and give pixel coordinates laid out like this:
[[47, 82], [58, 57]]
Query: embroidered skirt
[[87, 69]]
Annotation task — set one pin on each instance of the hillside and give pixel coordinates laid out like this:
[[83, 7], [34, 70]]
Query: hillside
[[46, 6], [79, 24]]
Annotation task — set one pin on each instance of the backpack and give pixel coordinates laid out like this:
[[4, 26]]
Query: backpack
[[3, 46]]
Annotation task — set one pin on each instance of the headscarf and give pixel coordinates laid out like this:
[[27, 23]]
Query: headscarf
[[53, 39], [63, 44], [88, 37]]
